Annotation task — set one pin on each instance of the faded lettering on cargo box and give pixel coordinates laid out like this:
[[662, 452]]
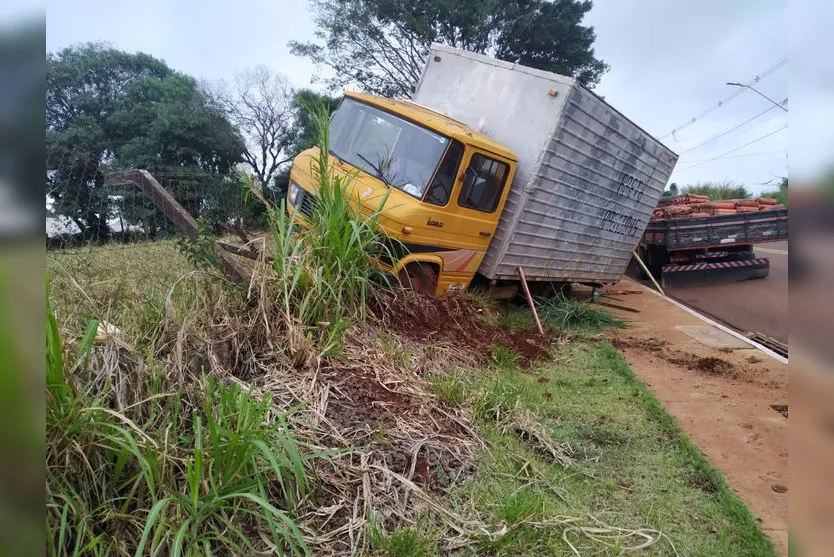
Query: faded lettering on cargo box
[[621, 224], [631, 187]]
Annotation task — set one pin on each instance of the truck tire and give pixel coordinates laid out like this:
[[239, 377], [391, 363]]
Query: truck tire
[[419, 277], [657, 258], [550, 289]]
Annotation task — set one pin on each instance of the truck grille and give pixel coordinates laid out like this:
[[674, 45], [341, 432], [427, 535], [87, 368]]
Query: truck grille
[[308, 203]]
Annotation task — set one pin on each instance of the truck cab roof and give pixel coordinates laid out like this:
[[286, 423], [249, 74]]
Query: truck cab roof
[[437, 122]]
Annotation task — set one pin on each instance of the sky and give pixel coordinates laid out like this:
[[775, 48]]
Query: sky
[[670, 62]]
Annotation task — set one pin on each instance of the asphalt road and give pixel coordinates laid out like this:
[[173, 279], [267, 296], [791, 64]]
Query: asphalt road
[[759, 306]]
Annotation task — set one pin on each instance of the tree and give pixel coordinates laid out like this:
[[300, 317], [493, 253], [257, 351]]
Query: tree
[[548, 36], [83, 87], [166, 127], [260, 105], [381, 45], [108, 109], [671, 191], [303, 134]]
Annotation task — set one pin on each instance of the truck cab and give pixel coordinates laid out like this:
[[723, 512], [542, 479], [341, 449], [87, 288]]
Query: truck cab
[[446, 186]]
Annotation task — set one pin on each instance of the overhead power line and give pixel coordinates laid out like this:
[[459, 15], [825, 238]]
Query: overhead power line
[[724, 155], [760, 154], [775, 67], [734, 128]]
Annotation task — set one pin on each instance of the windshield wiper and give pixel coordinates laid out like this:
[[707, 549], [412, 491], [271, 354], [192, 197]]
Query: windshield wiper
[[375, 168]]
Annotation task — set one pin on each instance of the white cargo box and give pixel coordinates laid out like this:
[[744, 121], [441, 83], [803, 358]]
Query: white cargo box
[[588, 178]]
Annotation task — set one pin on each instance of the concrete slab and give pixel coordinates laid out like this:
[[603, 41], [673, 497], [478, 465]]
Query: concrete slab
[[713, 337]]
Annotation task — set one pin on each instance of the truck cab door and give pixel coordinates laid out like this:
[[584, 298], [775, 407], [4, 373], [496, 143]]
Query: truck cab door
[[480, 194], [466, 222]]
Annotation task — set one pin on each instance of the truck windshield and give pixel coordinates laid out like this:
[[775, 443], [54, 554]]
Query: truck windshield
[[398, 152]]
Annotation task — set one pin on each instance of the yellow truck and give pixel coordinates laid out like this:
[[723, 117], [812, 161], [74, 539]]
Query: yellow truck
[[511, 168]]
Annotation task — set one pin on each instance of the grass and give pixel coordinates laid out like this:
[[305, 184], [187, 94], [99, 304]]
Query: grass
[[449, 388], [567, 312], [633, 467], [115, 282], [403, 542], [191, 471], [628, 464], [325, 274], [144, 454]]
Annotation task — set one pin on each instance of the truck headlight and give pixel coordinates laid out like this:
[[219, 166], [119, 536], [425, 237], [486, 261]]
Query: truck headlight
[[293, 193]]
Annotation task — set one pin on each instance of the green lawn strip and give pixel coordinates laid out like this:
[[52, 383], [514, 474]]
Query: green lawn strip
[[634, 468]]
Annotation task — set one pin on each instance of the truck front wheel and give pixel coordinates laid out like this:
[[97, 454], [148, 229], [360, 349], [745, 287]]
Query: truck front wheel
[[419, 277]]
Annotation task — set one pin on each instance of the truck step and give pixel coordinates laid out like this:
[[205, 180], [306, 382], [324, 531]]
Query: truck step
[[711, 273]]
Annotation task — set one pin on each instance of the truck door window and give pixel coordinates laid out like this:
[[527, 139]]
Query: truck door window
[[444, 180], [483, 183]]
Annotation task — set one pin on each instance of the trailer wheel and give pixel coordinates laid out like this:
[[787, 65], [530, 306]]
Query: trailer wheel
[[657, 258], [419, 277]]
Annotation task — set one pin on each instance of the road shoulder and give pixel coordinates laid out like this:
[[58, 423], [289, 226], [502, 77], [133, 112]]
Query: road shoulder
[[722, 398]]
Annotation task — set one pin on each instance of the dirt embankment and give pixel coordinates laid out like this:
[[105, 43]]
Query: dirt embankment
[[458, 321]]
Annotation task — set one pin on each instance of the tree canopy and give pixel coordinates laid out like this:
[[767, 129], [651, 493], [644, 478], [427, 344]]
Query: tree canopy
[[381, 45], [108, 109]]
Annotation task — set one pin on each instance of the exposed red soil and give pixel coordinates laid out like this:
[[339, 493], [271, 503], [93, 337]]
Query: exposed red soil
[[705, 364], [459, 321]]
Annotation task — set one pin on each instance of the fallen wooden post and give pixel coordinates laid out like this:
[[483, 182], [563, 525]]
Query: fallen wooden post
[[243, 251], [172, 209], [530, 300]]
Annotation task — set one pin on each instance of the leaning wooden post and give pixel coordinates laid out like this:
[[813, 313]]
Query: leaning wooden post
[[172, 209], [640, 261], [530, 300]]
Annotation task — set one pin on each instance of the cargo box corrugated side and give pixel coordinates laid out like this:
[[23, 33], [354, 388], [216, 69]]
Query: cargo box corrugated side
[[588, 178]]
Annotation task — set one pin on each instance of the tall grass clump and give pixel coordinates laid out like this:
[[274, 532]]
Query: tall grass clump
[[202, 469], [323, 266], [567, 312]]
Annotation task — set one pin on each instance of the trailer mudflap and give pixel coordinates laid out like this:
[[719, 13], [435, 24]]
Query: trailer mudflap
[[716, 272]]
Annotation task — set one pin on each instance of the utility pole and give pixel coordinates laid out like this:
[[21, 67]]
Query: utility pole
[[758, 92]]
